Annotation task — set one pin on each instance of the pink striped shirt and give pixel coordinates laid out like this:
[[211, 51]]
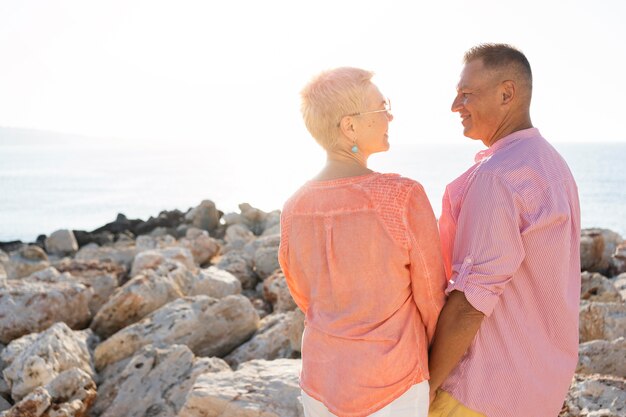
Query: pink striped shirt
[[510, 232]]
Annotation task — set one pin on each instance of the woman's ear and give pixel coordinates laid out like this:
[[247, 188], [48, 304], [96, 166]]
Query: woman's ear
[[346, 125]]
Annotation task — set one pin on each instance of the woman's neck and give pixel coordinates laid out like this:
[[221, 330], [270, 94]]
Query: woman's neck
[[343, 165]]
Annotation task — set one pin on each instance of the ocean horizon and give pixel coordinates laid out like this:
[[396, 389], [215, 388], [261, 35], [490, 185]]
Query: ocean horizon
[[46, 185]]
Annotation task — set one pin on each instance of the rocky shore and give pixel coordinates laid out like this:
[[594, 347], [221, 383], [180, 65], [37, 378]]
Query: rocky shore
[[188, 315]]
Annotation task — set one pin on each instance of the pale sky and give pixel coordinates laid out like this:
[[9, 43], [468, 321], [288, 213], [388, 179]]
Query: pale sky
[[229, 72]]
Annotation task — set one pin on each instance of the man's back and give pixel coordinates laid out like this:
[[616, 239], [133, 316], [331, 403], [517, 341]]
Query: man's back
[[510, 231]]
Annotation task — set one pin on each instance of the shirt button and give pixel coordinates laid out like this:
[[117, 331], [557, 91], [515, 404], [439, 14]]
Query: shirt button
[[468, 260]]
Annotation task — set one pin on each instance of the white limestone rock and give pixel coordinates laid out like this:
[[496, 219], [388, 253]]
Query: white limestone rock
[[155, 381], [4, 404], [61, 242], [70, 394], [232, 218], [49, 275], [618, 259], [296, 329], [2, 365], [605, 321], [142, 295], [5, 391], [33, 304], [620, 285], [595, 396], [262, 242], [35, 405], [121, 252], [205, 216], [36, 359], [238, 231], [160, 232], [201, 245], [215, 283], [145, 242], [152, 259], [101, 279], [266, 261], [276, 292], [4, 257], [151, 290], [149, 259], [270, 342], [271, 231], [240, 265], [237, 236], [253, 217], [602, 357], [208, 326], [264, 254], [26, 261], [596, 249], [258, 388], [595, 287], [272, 221]]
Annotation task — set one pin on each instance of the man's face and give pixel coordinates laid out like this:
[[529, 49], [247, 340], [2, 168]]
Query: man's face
[[478, 102]]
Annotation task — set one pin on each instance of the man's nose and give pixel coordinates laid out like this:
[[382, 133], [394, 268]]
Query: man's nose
[[457, 103]]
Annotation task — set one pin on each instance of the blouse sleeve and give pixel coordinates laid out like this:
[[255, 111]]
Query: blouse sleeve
[[427, 270], [283, 259]]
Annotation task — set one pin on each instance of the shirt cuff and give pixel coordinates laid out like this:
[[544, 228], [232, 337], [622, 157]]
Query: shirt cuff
[[481, 298]]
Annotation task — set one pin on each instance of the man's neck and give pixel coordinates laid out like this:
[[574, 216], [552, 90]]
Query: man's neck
[[506, 129]]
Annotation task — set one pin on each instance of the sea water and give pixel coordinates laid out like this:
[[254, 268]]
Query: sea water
[[81, 186]]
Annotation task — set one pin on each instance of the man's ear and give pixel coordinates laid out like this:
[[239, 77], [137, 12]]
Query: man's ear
[[507, 90]]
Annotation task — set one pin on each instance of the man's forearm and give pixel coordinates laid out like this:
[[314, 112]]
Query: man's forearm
[[457, 326]]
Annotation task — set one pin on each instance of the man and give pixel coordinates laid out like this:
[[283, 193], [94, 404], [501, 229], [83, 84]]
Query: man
[[506, 343]]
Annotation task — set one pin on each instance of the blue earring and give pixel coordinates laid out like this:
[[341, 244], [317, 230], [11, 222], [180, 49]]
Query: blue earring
[[355, 149]]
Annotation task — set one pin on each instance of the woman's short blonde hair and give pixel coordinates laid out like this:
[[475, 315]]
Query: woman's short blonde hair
[[331, 95]]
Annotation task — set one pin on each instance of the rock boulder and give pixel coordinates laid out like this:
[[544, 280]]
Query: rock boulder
[[208, 326], [155, 381], [595, 396], [270, 342], [257, 389], [70, 394], [603, 357], [35, 360], [595, 287], [596, 249], [61, 242], [26, 261], [605, 321], [33, 304]]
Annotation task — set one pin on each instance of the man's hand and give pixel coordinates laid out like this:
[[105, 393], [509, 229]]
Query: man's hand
[[457, 326], [432, 394]]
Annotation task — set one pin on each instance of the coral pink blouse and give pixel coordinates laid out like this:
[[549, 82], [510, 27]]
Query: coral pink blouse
[[362, 259]]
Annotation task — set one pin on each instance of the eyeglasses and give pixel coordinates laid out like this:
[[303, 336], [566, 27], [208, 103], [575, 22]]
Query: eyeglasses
[[387, 109]]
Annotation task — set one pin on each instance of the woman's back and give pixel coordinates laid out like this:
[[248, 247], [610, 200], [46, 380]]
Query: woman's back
[[362, 260]]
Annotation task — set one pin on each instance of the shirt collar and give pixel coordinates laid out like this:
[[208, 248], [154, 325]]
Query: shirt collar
[[505, 142]]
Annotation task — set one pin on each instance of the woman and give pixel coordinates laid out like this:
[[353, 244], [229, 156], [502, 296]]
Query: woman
[[361, 255]]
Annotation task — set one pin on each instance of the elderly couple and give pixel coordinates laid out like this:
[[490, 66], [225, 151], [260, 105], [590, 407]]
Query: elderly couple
[[474, 316]]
